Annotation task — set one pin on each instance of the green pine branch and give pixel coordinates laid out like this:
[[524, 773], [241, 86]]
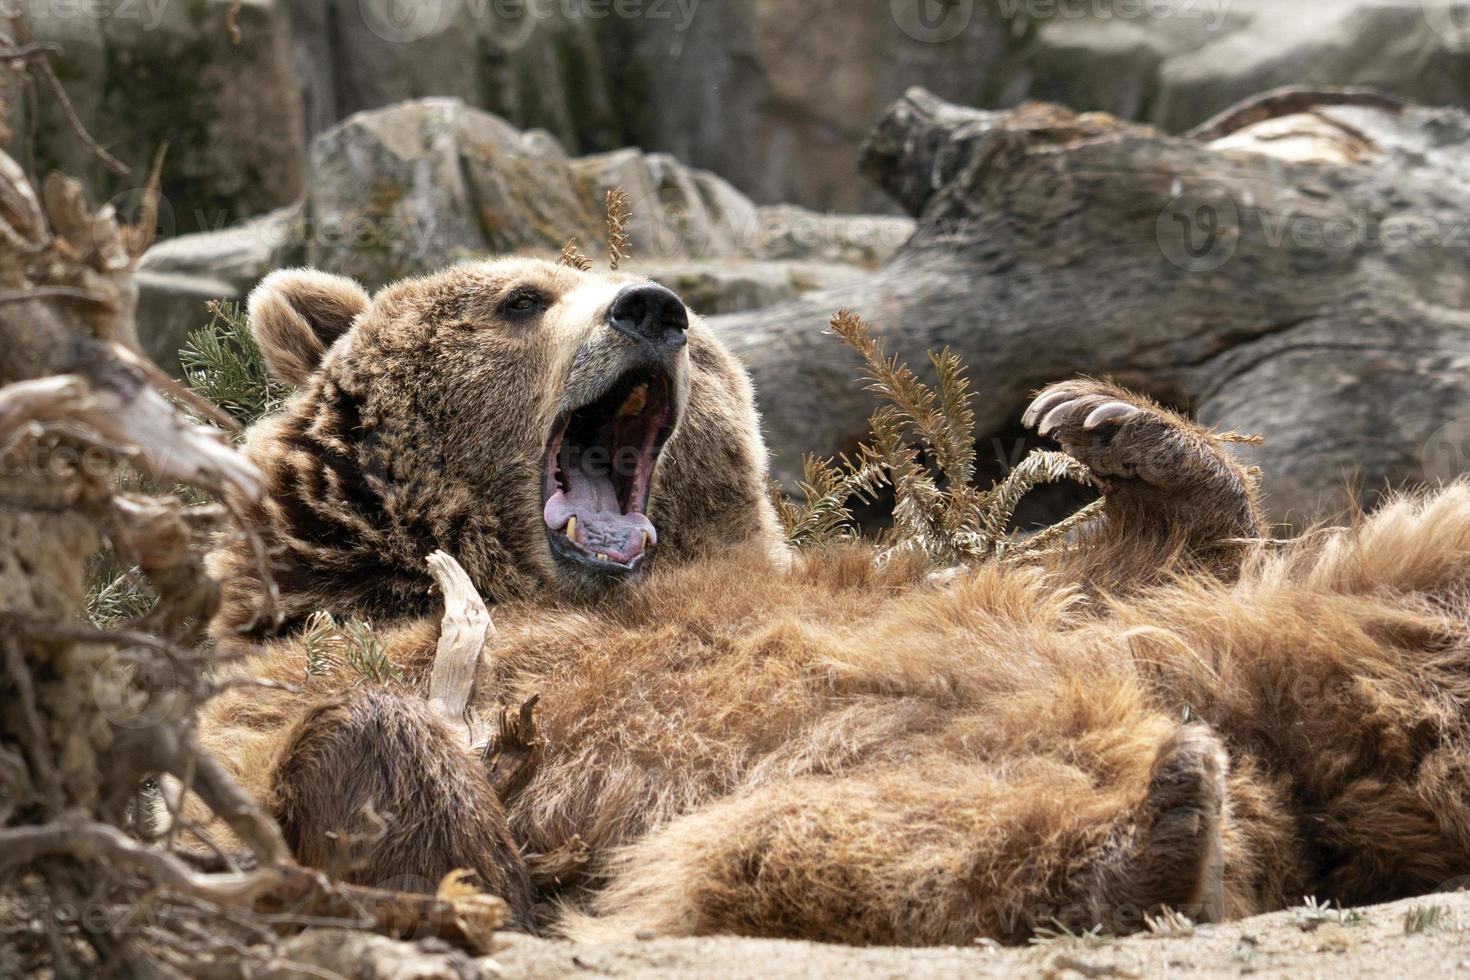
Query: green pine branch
[[937, 512], [223, 363]]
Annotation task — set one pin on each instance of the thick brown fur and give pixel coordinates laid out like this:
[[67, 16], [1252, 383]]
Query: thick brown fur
[[423, 426], [845, 752]]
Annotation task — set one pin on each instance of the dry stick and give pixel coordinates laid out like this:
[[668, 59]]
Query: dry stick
[[20, 24], [40, 748], [141, 234], [50, 292], [269, 612], [461, 639], [99, 842], [25, 52], [468, 922], [182, 393], [232, 21]]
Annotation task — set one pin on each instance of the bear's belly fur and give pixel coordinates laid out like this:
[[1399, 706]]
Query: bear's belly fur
[[850, 754]]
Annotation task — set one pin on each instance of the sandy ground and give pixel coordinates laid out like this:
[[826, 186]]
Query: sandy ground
[[1423, 937]]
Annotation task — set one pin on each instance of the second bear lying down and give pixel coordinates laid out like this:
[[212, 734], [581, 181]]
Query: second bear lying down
[[818, 748]]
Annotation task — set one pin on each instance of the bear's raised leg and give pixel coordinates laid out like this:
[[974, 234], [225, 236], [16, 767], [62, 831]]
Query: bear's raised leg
[[935, 853], [1171, 489], [373, 786]]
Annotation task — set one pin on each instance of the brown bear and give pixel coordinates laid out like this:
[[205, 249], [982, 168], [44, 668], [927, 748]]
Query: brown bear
[[1175, 712]]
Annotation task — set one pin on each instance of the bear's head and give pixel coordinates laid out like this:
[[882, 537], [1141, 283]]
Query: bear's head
[[554, 430]]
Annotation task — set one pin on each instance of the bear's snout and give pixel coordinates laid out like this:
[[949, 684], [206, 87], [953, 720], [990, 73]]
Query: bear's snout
[[651, 314]]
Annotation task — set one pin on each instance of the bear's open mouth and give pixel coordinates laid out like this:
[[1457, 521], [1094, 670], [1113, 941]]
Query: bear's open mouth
[[599, 461]]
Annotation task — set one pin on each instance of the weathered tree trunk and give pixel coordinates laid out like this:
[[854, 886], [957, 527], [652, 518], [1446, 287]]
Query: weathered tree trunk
[[86, 714], [1297, 269]]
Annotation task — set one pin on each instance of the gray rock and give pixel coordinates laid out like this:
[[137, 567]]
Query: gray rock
[[389, 195], [1316, 299], [178, 277], [170, 307], [414, 187], [717, 286]]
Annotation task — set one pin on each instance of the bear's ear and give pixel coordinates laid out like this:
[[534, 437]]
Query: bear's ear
[[295, 315]]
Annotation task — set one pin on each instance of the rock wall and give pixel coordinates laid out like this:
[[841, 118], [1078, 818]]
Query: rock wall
[[773, 95]]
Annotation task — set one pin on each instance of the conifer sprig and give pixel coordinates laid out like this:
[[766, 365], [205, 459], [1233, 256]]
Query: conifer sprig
[[223, 363], [937, 511], [351, 645]]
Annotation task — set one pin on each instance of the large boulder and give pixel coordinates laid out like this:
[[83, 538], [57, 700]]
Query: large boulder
[[1300, 270], [417, 186], [179, 277]]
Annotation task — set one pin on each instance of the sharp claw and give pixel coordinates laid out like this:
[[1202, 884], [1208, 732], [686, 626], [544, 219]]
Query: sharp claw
[[1103, 413], [1043, 402], [1053, 418]]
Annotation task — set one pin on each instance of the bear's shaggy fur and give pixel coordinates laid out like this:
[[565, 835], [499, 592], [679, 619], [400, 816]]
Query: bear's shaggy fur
[[832, 750], [424, 427]]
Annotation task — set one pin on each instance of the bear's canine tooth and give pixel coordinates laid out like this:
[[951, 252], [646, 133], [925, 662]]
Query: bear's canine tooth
[[572, 527], [645, 540], [635, 401]]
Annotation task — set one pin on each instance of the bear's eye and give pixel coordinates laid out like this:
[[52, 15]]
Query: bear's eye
[[524, 301]]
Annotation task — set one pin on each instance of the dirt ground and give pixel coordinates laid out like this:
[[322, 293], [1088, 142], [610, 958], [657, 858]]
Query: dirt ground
[[1422, 937]]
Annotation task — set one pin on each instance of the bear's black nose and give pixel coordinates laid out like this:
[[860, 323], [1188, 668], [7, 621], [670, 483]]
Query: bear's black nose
[[651, 313]]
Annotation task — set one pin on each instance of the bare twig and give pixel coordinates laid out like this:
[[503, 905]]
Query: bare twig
[[20, 25], [559, 866], [97, 842], [232, 21]]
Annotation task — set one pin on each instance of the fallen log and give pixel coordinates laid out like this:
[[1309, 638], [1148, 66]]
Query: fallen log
[[1297, 270]]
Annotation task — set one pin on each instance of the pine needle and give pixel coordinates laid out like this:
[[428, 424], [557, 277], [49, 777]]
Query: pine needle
[[351, 646], [922, 445], [619, 212], [116, 595], [223, 363]]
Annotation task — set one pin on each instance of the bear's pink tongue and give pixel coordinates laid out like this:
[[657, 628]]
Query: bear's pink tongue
[[602, 527]]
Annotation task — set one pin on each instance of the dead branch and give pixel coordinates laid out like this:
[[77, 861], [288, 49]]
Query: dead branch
[[462, 636], [20, 26], [100, 843], [468, 921]]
